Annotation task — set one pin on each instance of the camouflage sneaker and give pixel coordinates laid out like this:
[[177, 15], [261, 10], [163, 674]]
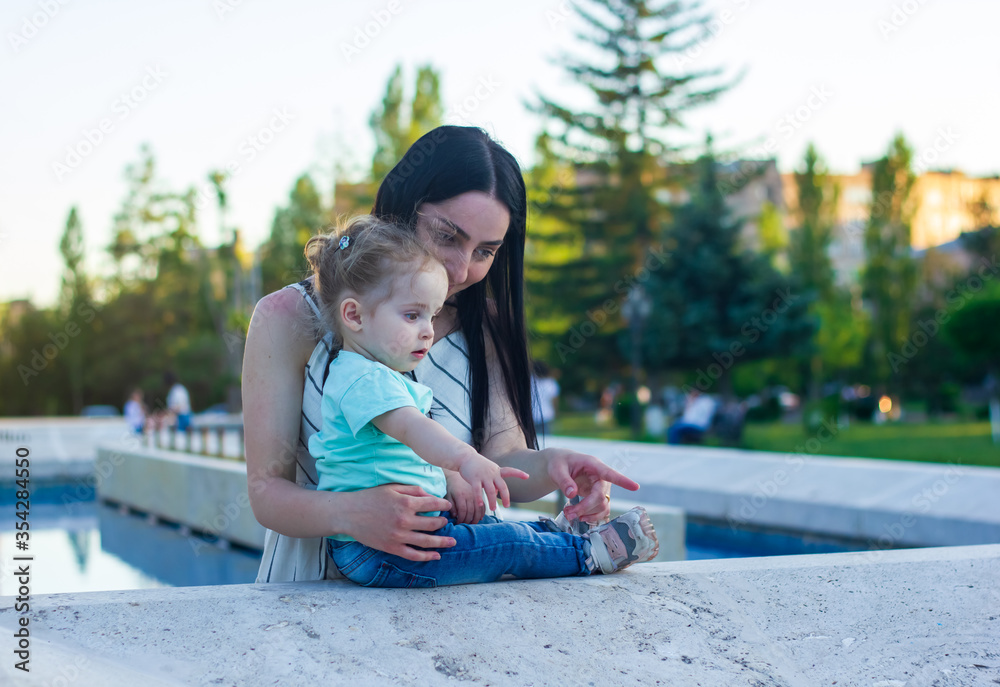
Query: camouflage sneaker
[[561, 524], [629, 538]]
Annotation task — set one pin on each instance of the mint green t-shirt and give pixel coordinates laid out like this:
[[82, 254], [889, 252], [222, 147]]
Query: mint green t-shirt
[[353, 454]]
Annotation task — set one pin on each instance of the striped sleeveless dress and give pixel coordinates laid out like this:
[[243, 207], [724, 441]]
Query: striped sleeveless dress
[[445, 370]]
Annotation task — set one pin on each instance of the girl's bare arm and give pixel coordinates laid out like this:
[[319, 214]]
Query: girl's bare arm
[[279, 343]]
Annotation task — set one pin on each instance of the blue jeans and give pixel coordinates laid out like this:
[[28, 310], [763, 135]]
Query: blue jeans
[[482, 553]]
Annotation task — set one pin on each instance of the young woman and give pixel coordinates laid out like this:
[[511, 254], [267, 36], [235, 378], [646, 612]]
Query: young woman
[[464, 196]]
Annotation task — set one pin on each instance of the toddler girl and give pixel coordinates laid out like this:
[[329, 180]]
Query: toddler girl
[[379, 290]]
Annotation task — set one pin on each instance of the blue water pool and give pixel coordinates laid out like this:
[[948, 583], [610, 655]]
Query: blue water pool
[[82, 545]]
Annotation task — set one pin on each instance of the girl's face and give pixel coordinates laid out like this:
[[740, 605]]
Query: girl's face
[[465, 233], [398, 331]]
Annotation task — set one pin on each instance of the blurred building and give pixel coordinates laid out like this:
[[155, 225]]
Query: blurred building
[[944, 204], [949, 203]]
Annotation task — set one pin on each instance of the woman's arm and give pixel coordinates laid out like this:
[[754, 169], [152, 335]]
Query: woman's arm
[[279, 343], [549, 469]]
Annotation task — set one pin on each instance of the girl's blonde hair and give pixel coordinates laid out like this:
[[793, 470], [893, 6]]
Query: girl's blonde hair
[[362, 259]]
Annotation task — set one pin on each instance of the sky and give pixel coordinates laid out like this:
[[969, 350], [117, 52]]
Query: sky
[[279, 89]]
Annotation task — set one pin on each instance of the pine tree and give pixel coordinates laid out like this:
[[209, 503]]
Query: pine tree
[[716, 304], [74, 296], [615, 205]]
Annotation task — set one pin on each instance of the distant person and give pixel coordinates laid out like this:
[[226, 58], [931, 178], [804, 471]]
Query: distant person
[[608, 398], [135, 411], [178, 402], [545, 392], [695, 421]]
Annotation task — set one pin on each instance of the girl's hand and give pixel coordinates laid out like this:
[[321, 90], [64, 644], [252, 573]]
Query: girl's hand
[[580, 474], [385, 518], [483, 474], [467, 505]]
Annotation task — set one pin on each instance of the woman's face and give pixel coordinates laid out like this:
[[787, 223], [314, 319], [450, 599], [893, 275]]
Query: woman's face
[[465, 233]]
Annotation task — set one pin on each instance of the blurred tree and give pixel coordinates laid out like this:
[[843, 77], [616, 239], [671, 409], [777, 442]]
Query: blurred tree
[[282, 259], [553, 244], [229, 270], [396, 125], [983, 242], [387, 125], [843, 328], [808, 254], [155, 228], [889, 276], [815, 216], [74, 297], [773, 236], [396, 129], [715, 303], [970, 330], [163, 299], [984, 213], [32, 371], [616, 199]]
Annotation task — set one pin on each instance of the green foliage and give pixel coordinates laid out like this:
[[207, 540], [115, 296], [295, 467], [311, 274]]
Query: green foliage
[[773, 236], [983, 242], [32, 371], [974, 328], [159, 310], [282, 258], [889, 277], [395, 128], [75, 294], [808, 251], [768, 411], [604, 172], [716, 304], [842, 332]]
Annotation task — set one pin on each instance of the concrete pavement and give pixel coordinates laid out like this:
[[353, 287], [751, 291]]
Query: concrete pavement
[[883, 619]]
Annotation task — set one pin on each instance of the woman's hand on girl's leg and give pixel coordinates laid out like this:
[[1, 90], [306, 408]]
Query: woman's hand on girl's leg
[[385, 518]]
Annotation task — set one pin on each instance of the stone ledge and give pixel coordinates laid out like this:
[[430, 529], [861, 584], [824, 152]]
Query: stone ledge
[[206, 494], [914, 617]]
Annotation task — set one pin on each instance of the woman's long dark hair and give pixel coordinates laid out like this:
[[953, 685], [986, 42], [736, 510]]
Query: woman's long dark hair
[[442, 164]]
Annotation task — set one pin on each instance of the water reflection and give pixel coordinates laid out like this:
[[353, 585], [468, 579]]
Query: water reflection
[[170, 556], [80, 542], [80, 545]]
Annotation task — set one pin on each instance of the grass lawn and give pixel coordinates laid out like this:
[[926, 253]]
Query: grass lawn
[[966, 443]]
